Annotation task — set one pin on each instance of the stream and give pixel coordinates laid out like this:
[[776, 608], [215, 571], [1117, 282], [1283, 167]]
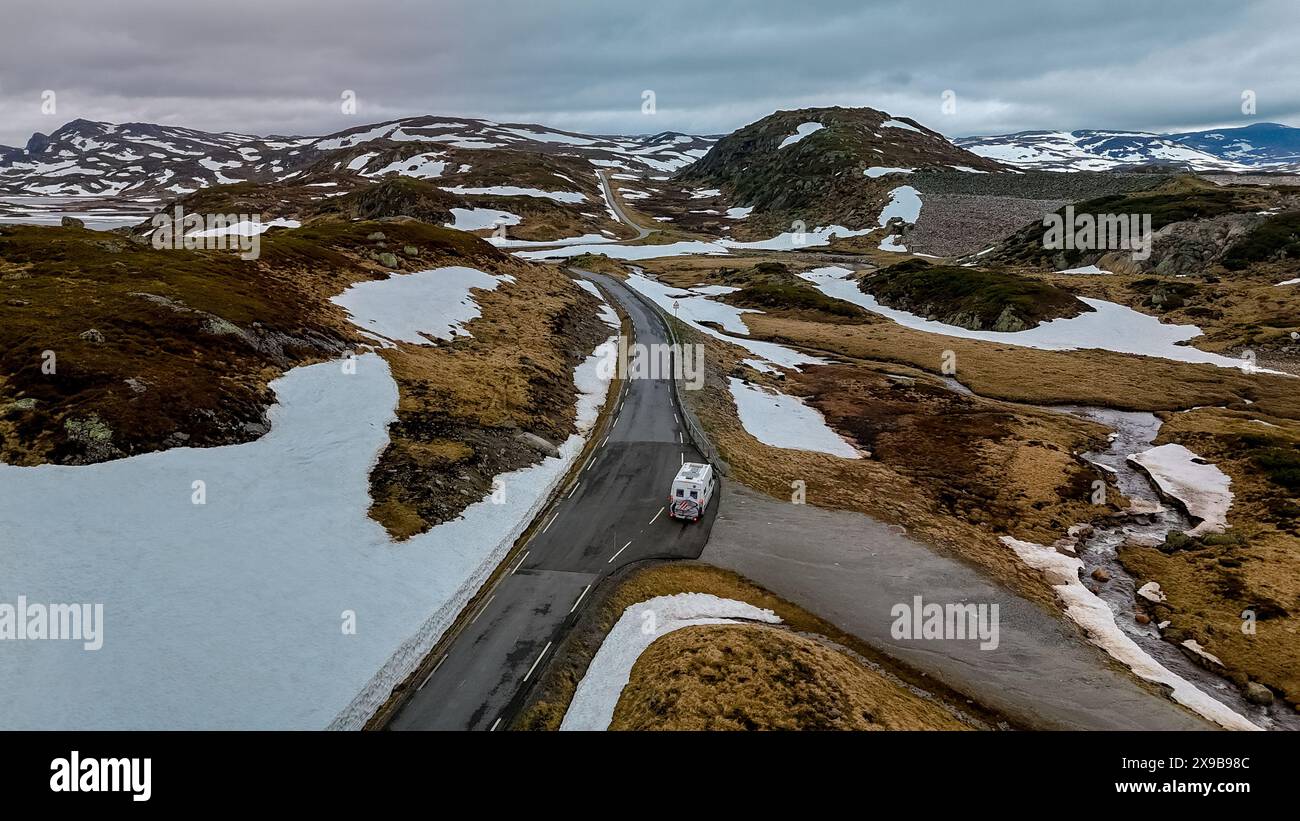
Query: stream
[[1134, 432]]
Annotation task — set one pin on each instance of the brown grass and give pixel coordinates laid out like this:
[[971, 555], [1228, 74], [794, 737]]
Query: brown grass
[[755, 677], [1209, 585], [463, 403], [550, 699]]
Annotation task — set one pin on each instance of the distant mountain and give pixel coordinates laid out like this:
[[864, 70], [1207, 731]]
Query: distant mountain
[[84, 158], [825, 165], [1259, 147], [1258, 144]]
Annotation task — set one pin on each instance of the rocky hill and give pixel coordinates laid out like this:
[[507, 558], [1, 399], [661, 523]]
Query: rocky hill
[[824, 166]]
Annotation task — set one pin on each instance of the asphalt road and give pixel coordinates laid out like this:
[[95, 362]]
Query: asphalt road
[[611, 515], [642, 233]]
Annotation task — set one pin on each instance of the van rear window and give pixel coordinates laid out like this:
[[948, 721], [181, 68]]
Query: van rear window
[[680, 493]]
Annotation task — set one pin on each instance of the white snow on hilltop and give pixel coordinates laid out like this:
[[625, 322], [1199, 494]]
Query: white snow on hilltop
[[516, 191], [881, 170], [1200, 486], [1091, 613], [900, 124], [247, 228], [596, 697], [905, 203], [784, 421], [799, 133], [1109, 327], [407, 307], [1084, 269], [477, 219], [230, 614]]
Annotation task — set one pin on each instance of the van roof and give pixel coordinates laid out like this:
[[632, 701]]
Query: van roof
[[691, 471]]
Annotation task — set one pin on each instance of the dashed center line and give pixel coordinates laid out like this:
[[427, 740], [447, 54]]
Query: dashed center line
[[495, 724], [431, 672], [535, 663], [485, 606], [615, 556], [579, 601], [661, 510], [556, 516], [521, 562], [575, 489]]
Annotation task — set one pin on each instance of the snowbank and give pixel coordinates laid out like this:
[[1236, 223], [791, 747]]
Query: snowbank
[[696, 308], [1109, 327], [407, 307], [803, 130], [784, 421], [1200, 487], [232, 614], [881, 170], [476, 219], [594, 700], [1096, 618], [516, 191]]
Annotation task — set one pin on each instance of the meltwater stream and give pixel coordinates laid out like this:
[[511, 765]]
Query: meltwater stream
[[1134, 432]]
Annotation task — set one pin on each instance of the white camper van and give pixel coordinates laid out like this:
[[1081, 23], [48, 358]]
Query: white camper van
[[692, 489]]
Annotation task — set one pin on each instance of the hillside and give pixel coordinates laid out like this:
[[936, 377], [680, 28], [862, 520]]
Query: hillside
[[823, 166], [973, 298]]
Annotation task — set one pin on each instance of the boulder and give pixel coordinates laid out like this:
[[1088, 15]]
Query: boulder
[[72, 222], [1257, 693]]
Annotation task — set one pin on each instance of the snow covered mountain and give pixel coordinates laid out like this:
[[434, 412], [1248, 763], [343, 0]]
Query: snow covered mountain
[[85, 158], [1259, 147]]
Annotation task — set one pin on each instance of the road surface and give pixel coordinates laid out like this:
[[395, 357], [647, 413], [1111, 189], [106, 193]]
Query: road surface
[[612, 514], [641, 233]]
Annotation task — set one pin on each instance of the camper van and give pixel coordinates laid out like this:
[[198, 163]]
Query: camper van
[[692, 489]]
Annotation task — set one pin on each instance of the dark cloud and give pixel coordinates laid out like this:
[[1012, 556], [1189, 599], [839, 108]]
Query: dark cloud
[[280, 66]]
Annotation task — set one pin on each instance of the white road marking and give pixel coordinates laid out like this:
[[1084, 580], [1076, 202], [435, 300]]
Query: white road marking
[[521, 563], [484, 607], [683, 457], [494, 725], [431, 672], [579, 601], [681, 440], [605, 441], [575, 489], [661, 510], [539, 660], [615, 556], [675, 419], [556, 516]]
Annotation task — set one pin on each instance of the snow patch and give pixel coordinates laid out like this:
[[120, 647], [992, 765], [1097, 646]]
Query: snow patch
[[596, 696], [799, 133], [784, 421], [1093, 614], [1199, 486]]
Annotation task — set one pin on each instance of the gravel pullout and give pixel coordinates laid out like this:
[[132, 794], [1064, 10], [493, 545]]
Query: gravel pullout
[[852, 570]]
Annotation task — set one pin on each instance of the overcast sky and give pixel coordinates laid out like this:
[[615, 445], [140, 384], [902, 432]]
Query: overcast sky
[[281, 66]]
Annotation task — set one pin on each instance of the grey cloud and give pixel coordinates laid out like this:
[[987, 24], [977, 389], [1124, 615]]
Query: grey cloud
[[279, 67]]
